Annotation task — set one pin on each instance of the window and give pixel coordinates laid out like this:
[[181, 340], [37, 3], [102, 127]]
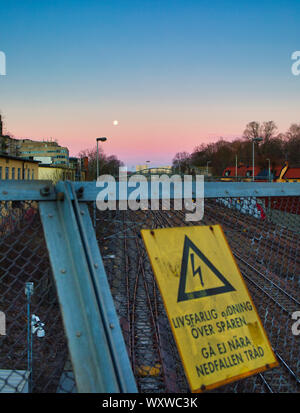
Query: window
[[6, 172], [13, 173], [0, 172], [28, 173], [19, 173], [32, 174]]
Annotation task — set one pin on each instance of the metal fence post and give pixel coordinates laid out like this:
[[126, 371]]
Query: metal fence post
[[29, 292], [96, 366]]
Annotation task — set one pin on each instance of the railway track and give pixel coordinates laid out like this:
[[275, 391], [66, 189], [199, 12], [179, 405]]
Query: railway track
[[269, 265], [278, 299], [145, 326]]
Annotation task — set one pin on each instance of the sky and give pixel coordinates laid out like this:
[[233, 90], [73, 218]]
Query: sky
[[174, 73]]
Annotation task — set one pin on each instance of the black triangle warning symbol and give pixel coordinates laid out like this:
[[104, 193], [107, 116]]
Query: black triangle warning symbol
[[184, 295]]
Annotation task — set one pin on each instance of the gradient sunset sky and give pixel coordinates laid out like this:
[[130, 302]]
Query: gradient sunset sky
[[174, 73]]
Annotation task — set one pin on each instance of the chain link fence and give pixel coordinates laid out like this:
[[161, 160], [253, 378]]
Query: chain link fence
[[29, 362]]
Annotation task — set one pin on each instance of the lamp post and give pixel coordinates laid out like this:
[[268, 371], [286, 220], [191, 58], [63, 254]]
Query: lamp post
[[103, 139], [148, 168], [269, 169], [29, 287], [257, 139]]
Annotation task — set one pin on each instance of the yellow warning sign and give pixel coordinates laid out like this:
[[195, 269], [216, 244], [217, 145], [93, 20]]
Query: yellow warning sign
[[217, 330]]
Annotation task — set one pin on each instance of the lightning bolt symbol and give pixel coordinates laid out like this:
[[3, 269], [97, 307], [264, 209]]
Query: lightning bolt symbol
[[198, 270]]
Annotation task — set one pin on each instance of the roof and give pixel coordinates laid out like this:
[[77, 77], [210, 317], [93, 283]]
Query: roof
[[17, 158], [277, 170], [241, 170], [263, 173], [292, 173]]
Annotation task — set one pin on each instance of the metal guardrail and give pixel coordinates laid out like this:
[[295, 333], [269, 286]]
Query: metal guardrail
[[211, 190], [105, 325], [88, 191]]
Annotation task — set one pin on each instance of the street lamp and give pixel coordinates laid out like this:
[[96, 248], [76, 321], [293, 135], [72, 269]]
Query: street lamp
[[207, 167], [102, 139], [147, 167], [254, 140]]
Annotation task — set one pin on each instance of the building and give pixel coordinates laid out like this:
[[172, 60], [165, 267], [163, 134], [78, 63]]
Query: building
[[81, 167], [287, 173], [12, 167], [75, 171], [141, 168], [155, 170], [47, 160], [56, 173], [46, 152], [16, 168], [283, 173]]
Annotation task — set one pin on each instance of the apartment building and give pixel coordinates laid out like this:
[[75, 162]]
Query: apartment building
[[28, 159], [15, 168], [46, 151]]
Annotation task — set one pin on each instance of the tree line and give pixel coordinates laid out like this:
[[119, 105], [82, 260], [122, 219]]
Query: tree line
[[108, 164], [278, 147]]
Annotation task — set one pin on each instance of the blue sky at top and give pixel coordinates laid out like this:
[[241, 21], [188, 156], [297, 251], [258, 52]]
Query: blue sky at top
[[151, 56]]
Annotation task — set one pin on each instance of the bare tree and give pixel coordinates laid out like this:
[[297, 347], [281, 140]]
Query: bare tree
[[293, 131], [253, 130], [181, 161], [268, 130], [107, 164]]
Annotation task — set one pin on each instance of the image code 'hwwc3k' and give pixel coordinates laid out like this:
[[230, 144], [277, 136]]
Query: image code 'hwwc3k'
[[219, 335]]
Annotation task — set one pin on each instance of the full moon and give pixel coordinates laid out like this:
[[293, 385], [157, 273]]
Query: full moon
[[115, 122]]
